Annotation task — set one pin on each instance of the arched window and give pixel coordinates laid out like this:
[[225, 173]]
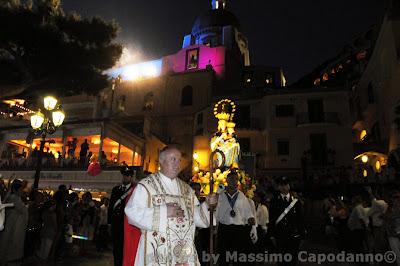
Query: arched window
[[187, 96], [148, 103]]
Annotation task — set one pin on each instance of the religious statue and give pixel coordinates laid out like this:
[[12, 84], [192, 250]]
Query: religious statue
[[225, 139]]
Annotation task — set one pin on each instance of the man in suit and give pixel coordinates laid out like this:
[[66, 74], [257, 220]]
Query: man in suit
[[286, 226], [116, 213]]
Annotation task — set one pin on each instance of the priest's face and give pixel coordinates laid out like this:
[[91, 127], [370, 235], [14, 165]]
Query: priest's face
[[170, 163]]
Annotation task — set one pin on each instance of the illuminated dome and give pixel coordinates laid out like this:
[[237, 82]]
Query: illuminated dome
[[214, 18]]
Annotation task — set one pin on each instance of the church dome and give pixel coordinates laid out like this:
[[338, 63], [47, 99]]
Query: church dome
[[214, 18]]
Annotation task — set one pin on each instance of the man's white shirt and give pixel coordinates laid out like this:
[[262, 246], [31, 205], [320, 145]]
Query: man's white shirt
[[262, 216], [243, 210], [376, 212]]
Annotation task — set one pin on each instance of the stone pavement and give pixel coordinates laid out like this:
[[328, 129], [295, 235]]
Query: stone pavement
[[90, 258], [94, 258]]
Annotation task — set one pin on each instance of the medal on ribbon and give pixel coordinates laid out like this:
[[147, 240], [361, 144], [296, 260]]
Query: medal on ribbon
[[232, 201]]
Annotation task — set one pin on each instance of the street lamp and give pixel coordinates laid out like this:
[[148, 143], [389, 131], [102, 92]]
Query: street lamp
[[364, 158], [44, 123], [196, 168]]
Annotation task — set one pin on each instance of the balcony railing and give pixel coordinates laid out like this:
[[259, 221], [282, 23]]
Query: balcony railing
[[52, 164], [324, 118]]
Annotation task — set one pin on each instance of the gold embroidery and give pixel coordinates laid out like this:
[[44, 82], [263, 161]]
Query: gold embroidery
[[176, 245], [203, 216], [156, 219]]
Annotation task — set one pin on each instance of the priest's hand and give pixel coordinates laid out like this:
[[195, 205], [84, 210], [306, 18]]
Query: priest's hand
[[212, 199], [174, 211]]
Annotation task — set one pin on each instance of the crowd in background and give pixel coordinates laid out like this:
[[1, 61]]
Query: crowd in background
[[43, 228], [51, 159], [367, 220]]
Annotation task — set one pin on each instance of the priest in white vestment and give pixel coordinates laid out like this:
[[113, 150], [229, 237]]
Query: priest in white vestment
[[167, 211]]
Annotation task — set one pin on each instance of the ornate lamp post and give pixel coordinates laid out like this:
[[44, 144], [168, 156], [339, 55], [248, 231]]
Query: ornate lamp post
[[196, 167], [43, 124]]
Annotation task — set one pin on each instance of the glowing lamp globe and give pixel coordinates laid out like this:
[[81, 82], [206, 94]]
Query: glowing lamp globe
[[378, 166], [365, 173], [37, 120], [364, 158], [363, 134], [195, 156], [58, 117], [49, 102]]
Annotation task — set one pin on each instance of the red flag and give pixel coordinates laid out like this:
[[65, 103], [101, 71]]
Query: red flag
[[131, 240]]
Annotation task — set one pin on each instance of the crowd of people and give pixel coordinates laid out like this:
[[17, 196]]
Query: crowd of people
[[51, 159], [367, 221], [41, 228], [163, 211]]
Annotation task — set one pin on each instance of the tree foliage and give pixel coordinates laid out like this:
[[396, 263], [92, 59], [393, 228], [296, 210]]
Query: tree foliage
[[42, 49]]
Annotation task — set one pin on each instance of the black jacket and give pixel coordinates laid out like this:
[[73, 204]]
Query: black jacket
[[116, 215], [292, 225]]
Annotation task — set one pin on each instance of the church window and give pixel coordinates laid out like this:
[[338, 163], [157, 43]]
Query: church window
[[284, 110], [242, 116], [192, 59], [319, 149], [187, 96], [283, 147], [148, 103]]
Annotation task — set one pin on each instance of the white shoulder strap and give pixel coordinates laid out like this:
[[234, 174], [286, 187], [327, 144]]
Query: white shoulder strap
[[288, 208]]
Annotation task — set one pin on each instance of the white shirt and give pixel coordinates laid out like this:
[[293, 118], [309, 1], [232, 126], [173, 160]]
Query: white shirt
[[253, 206], [262, 216], [376, 212], [242, 208], [141, 216], [103, 215], [126, 187], [358, 213]]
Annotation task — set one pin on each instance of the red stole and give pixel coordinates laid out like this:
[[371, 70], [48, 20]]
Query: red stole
[[131, 240]]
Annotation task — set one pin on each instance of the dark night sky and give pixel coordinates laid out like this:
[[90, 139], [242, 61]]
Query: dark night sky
[[295, 34]]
